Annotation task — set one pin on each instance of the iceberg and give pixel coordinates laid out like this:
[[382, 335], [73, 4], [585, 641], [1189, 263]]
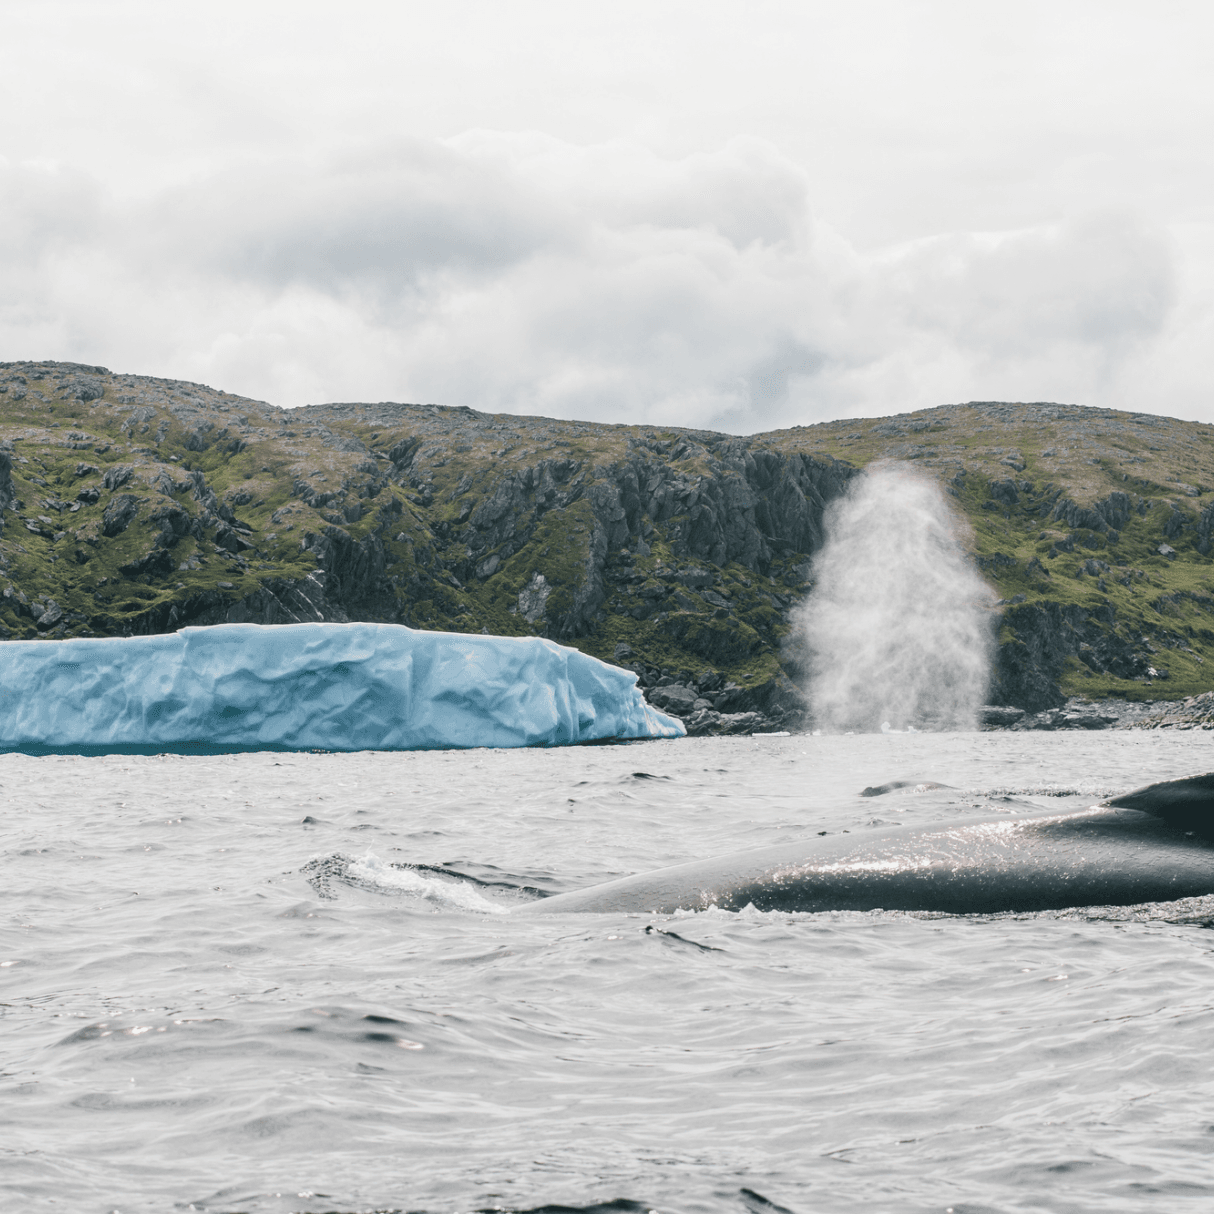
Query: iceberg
[[239, 687]]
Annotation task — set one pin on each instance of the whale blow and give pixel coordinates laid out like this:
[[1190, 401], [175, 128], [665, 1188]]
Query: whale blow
[[899, 624]]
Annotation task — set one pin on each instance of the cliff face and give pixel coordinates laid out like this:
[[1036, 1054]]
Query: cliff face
[[131, 505]]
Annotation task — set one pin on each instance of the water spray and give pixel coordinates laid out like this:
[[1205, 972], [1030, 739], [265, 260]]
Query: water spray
[[899, 625]]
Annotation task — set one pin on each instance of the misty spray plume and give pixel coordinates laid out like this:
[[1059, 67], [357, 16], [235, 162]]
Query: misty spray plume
[[899, 627]]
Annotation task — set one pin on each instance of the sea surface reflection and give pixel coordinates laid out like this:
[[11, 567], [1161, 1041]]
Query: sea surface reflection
[[293, 982]]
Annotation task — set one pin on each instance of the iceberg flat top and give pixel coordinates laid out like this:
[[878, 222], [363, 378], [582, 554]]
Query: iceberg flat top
[[235, 687]]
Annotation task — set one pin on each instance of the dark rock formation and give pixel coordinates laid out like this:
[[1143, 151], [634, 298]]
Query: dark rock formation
[[119, 512]]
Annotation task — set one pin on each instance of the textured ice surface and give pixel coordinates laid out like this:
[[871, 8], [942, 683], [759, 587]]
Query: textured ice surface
[[304, 686]]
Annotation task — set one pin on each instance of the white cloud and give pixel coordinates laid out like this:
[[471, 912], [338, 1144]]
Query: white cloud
[[709, 213], [522, 273], [1100, 281]]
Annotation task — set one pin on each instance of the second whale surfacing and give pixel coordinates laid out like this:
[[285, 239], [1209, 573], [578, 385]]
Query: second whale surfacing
[[1152, 845]]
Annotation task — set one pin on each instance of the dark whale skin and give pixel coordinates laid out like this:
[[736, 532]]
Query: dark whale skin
[[1188, 802], [1103, 856]]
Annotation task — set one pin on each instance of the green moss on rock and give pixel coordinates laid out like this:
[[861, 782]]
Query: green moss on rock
[[134, 505]]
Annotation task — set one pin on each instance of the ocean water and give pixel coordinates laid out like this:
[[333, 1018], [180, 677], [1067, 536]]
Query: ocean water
[[227, 985]]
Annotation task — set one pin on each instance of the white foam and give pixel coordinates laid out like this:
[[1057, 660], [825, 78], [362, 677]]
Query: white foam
[[371, 870], [1099, 791]]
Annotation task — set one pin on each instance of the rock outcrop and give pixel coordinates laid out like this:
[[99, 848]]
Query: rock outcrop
[[1197, 712]]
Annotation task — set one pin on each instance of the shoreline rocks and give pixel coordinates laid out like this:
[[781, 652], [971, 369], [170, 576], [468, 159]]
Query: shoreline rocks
[[709, 704], [1078, 713], [1197, 712]]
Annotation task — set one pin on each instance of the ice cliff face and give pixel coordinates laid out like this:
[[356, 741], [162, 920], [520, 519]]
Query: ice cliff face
[[135, 506], [313, 686]]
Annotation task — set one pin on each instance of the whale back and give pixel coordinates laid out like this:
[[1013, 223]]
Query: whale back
[[1101, 856], [1187, 804], [1149, 845]]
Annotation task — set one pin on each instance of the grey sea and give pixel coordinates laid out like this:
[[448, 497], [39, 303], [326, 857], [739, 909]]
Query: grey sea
[[296, 982]]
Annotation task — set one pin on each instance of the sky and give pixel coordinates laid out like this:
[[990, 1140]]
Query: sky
[[731, 215]]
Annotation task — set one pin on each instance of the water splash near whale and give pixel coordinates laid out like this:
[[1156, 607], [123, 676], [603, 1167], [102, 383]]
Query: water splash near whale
[[898, 627]]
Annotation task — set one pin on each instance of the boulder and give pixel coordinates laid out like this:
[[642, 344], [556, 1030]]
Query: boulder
[[119, 513], [1061, 718], [674, 698], [1086, 720], [117, 476], [742, 722], [49, 616], [702, 722]]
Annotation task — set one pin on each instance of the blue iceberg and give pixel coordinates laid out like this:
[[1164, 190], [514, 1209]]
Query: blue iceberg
[[236, 687]]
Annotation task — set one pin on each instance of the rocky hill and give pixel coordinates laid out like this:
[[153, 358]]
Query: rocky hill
[[134, 505]]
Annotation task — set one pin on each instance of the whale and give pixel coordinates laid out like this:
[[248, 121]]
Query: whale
[[1155, 844]]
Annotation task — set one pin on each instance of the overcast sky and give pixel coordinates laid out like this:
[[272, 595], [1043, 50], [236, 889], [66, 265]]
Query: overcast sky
[[737, 215]]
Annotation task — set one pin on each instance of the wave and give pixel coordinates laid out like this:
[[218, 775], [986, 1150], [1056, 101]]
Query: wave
[[1098, 792], [444, 887]]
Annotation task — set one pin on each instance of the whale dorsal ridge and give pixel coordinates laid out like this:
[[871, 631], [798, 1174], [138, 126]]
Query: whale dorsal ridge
[[1188, 803]]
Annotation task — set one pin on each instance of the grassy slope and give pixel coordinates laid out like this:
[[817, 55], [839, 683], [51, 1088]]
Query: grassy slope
[[263, 462], [259, 460], [746, 647], [1081, 454]]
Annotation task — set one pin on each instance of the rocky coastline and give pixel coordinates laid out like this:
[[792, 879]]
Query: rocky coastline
[[1078, 713], [132, 505]]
